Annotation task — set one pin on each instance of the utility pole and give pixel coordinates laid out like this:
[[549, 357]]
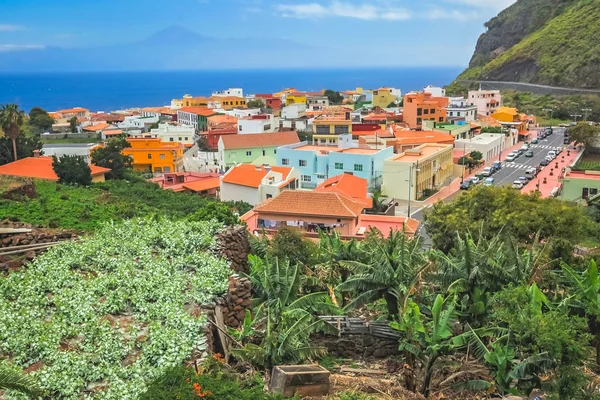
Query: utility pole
[[462, 178], [410, 183], [575, 116], [551, 112], [586, 111]]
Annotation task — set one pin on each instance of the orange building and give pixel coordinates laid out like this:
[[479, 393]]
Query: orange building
[[422, 106], [39, 167], [155, 156]]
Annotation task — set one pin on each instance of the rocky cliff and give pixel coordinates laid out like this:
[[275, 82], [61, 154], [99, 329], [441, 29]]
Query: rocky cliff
[[552, 42]]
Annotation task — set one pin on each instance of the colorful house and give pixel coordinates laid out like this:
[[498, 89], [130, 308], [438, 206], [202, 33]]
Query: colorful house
[[257, 183], [580, 185], [382, 97], [40, 167], [196, 117], [260, 148], [421, 106], [408, 175], [155, 155], [318, 163], [311, 211], [487, 101], [350, 185], [204, 184]]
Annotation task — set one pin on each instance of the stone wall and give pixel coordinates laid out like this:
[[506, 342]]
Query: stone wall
[[233, 245], [359, 346], [236, 301]]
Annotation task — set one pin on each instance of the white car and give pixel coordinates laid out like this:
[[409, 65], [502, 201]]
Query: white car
[[475, 180], [511, 157], [552, 154], [487, 171], [518, 185]]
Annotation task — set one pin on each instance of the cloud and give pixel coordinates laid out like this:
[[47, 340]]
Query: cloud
[[438, 14], [6, 48], [336, 8], [10, 28], [490, 4]]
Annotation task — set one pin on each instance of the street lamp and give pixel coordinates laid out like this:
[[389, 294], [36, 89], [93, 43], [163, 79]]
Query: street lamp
[[586, 111], [551, 111], [575, 116]]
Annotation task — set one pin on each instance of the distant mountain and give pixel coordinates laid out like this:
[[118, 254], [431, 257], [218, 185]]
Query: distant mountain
[[172, 48], [553, 42]]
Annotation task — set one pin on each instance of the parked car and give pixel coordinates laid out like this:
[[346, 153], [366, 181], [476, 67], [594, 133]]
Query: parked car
[[563, 125], [552, 154], [530, 173], [511, 157], [524, 179], [529, 153], [518, 185], [497, 165], [488, 171], [544, 162], [475, 180], [566, 140], [489, 182], [524, 148], [534, 141], [466, 185], [558, 150]]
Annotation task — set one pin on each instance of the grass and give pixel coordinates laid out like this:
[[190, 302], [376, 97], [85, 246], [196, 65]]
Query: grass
[[86, 208]]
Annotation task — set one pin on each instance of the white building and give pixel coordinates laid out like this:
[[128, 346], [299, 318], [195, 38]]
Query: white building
[[435, 91], [487, 101], [70, 149], [255, 184], [171, 133], [294, 117], [261, 123], [293, 111], [235, 92], [488, 144], [317, 102], [137, 122], [459, 109], [243, 112]]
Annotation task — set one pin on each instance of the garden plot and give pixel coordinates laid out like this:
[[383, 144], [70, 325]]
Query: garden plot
[[103, 317]]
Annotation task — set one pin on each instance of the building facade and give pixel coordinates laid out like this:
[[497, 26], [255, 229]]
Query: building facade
[[257, 183], [419, 107], [488, 144], [260, 148], [154, 155], [196, 117], [487, 101], [171, 133], [261, 123], [383, 97]]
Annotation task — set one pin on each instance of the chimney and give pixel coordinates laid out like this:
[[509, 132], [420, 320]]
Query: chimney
[[36, 153]]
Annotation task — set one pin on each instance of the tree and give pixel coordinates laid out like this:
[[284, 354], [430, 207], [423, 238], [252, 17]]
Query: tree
[[10, 379], [283, 317], [489, 210], [395, 267], [40, 120], [476, 156], [491, 129], [11, 119], [154, 125], [72, 170], [73, 124], [25, 148], [379, 204], [333, 96], [256, 103], [584, 133], [288, 243], [110, 156], [392, 105]]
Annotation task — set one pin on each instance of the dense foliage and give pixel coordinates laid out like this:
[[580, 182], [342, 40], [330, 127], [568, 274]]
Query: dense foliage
[[11, 119], [72, 170], [39, 120], [25, 148], [87, 208], [108, 313], [109, 156]]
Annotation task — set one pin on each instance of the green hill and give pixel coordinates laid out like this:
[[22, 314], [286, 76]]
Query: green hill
[[552, 42]]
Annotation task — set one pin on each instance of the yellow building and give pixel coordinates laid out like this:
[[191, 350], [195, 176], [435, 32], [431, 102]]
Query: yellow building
[[284, 92], [382, 97], [332, 125], [410, 174], [510, 118], [154, 155], [189, 101], [229, 102], [295, 98]]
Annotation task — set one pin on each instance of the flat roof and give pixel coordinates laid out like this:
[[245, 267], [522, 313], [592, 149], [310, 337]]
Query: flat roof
[[327, 149], [484, 138], [355, 150], [426, 151], [449, 127]]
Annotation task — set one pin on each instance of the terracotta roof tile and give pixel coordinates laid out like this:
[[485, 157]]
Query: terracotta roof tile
[[349, 185], [259, 140], [204, 111], [203, 184], [97, 127], [251, 175], [299, 203], [39, 168]]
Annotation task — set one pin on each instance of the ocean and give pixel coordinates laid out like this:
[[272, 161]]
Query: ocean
[[106, 91]]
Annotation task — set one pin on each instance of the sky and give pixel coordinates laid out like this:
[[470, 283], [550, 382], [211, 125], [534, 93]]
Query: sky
[[403, 32]]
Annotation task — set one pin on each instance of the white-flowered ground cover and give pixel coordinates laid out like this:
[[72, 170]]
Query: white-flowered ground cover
[[104, 316]]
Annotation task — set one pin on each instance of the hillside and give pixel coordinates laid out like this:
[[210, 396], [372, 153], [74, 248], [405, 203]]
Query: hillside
[[553, 42]]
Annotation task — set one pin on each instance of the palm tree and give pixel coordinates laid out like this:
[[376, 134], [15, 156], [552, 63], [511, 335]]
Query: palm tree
[[13, 380], [394, 270], [11, 119], [283, 317]]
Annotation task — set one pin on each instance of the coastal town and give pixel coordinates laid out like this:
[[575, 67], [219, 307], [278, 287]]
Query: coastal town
[[346, 161]]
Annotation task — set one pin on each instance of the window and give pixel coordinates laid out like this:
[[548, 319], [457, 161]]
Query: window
[[264, 153], [441, 119], [162, 156], [240, 128], [339, 165], [322, 130], [419, 121], [458, 114], [323, 141], [186, 138], [432, 111], [426, 111], [171, 139], [149, 156], [593, 191], [269, 196], [158, 169], [274, 151], [180, 138], [451, 113], [285, 161], [167, 169], [248, 153], [302, 163], [358, 167], [339, 129], [320, 176], [306, 178], [419, 111]]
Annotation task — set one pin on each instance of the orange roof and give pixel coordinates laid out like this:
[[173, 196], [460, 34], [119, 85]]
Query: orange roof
[[204, 111], [376, 117], [301, 203], [404, 136], [349, 185], [39, 168], [384, 222], [73, 110], [250, 175], [222, 118], [97, 127], [259, 140], [203, 184], [160, 110], [112, 132]]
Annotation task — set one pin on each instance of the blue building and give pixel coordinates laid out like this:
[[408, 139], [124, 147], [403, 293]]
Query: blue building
[[318, 163]]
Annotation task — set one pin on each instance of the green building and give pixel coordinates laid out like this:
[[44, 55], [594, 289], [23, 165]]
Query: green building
[[254, 148], [580, 185]]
